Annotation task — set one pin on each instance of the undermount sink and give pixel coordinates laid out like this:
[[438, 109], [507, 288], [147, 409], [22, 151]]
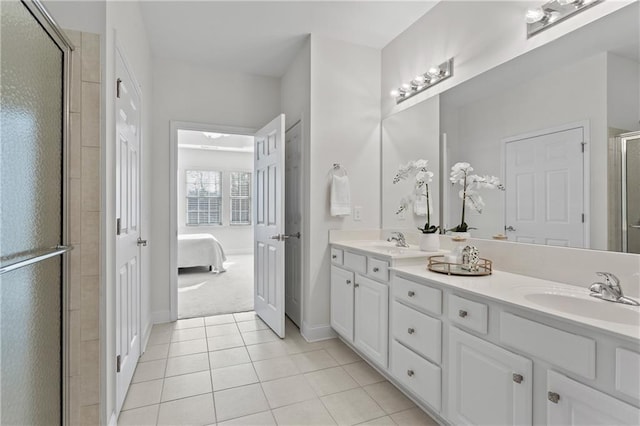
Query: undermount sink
[[581, 304], [386, 247]]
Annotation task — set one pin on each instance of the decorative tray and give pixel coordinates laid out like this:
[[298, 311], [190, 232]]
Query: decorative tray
[[438, 264]]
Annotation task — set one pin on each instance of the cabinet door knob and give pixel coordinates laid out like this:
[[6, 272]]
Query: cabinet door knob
[[553, 397], [410, 373], [518, 378], [411, 293], [376, 269], [334, 256], [356, 285], [462, 313], [348, 282], [411, 330]]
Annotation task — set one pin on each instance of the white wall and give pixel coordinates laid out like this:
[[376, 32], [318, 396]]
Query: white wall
[[578, 92], [479, 35], [87, 16], [236, 238], [345, 129], [623, 88], [187, 92]]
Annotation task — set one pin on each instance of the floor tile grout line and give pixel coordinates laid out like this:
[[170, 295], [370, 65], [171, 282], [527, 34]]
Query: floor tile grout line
[[213, 397]]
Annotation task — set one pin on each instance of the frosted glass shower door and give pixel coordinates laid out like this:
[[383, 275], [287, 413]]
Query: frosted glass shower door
[[31, 218], [630, 184]]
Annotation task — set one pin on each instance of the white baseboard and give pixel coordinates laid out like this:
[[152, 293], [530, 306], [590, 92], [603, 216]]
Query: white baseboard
[[317, 333], [158, 317], [145, 337]]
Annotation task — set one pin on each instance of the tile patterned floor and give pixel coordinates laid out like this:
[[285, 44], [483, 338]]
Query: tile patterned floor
[[232, 370]]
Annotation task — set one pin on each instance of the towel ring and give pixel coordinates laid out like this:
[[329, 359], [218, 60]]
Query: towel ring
[[337, 168]]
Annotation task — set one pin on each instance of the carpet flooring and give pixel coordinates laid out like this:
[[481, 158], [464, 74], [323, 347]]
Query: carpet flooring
[[204, 293]]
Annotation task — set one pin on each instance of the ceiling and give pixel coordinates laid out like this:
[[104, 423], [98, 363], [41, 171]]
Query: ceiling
[[263, 37]]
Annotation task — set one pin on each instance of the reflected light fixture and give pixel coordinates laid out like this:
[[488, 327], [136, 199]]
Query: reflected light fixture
[[422, 82], [554, 11]]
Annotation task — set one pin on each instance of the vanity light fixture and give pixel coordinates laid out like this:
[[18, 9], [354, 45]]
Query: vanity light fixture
[[554, 11], [422, 82]]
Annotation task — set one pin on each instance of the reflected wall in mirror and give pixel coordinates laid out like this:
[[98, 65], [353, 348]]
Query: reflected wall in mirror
[[410, 135], [529, 120]]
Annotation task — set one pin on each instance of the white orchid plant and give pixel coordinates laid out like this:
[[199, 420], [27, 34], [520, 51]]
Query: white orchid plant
[[461, 174], [423, 177]]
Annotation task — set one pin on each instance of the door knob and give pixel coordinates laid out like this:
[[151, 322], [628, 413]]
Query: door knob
[[142, 242], [348, 282], [462, 313], [509, 228], [553, 397], [410, 373], [411, 293], [634, 226], [411, 330], [376, 269], [518, 378], [282, 237]]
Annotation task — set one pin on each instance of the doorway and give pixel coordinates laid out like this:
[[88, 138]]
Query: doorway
[[214, 222]]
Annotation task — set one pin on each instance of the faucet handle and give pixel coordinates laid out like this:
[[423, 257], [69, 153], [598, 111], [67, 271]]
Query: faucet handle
[[609, 278]]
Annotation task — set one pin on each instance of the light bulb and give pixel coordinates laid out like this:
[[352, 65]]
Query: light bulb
[[553, 16], [406, 86], [419, 79], [566, 2], [433, 72], [535, 15], [395, 93]]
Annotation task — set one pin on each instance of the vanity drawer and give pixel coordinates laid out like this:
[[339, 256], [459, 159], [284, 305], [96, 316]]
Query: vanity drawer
[[336, 256], [627, 372], [378, 269], [417, 374], [469, 314], [418, 331], [566, 350], [356, 262], [418, 295]]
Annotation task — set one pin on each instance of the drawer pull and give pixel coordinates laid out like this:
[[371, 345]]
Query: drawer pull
[[411, 330], [518, 378], [411, 293], [553, 397], [348, 282], [462, 313], [410, 373], [356, 285], [334, 256], [376, 269]]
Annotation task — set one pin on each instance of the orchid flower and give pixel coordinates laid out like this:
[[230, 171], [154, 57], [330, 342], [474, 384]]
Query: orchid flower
[[423, 177], [460, 174]]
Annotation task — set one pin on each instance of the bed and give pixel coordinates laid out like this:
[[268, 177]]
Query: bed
[[200, 250]]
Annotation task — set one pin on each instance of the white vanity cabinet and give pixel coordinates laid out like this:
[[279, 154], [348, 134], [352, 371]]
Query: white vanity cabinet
[[488, 385], [360, 302], [572, 403]]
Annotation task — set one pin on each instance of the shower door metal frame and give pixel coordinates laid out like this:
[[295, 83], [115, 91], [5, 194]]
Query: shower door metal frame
[[623, 138], [40, 13]]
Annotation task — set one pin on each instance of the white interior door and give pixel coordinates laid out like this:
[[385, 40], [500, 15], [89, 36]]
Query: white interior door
[[544, 181], [269, 239], [128, 229], [293, 227]]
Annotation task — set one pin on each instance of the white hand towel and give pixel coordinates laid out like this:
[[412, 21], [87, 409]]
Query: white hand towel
[[340, 196], [420, 206]]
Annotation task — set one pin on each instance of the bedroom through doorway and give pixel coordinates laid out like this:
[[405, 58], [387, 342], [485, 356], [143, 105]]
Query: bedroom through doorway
[[215, 230]]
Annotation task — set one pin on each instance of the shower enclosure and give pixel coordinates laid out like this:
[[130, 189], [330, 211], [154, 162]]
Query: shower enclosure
[[33, 123], [630, 148]]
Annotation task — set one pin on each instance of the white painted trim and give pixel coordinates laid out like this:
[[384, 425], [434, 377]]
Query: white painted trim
[[317, 333], [160, 317], [113, 420], [586, 169], [172, 271], [145, 338]]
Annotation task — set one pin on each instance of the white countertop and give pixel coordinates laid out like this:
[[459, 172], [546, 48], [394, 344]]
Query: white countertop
[[385, 249], [563, 301]]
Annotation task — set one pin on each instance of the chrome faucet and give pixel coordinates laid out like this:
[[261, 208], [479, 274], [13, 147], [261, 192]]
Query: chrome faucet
[[398, 237], [610, 290]]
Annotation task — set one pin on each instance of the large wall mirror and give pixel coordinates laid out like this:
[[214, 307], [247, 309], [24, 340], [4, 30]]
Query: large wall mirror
[[546, 124]]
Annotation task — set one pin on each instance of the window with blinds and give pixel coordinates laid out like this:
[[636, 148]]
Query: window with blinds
[[240, 196], [204, 197]]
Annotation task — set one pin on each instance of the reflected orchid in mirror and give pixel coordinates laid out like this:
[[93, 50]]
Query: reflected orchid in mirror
[[461, 174], [423, 177]]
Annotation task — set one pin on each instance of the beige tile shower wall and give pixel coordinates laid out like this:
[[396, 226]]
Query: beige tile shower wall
[[84, 233]]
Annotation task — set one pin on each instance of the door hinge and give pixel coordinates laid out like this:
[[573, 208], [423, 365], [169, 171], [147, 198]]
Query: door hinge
[[118, 363], [118, 83], [582, 144], [582, 217], [118, 226]]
